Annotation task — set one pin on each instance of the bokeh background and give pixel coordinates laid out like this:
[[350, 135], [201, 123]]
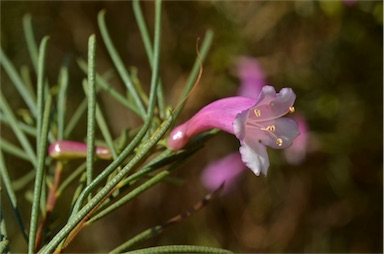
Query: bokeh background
[[329, 52]]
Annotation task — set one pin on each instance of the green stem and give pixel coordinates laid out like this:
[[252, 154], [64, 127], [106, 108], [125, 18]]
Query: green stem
[[111, 167], [134, 193], [162, 160]]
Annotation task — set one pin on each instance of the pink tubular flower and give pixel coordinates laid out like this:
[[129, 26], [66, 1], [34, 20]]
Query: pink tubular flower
[[251, 77], [256, 123], [227, 170], [65, 150]]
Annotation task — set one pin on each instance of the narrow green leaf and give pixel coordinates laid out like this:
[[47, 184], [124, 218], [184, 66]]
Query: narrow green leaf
[[155, 60], [12, 149], [103, 126], [17, 130], [69, 179], [148, 48], [80, 187], [74, 121], [101, 82], [27, 80], [31, 42], [143, 29], [39, 179], [11, 193], [17, 82], [40, 87], [119, 64], [61, 102], [24, 180], [23, 127], [91, 107], [180, 249]]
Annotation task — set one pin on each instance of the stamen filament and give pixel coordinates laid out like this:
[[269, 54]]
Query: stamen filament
[[269, 129], [258, 113]]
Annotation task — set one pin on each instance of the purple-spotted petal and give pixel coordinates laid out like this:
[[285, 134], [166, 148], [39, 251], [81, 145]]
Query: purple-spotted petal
[[254, 156]]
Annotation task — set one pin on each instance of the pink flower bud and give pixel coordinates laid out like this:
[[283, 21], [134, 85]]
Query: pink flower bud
[[65, 150]]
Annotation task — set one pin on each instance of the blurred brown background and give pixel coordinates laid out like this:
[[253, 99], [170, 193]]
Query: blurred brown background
[[329, 52]]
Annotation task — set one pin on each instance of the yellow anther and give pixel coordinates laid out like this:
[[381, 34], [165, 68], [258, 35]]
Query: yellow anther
[[279, 142], [257, 112], [292, 109], [270, 128]]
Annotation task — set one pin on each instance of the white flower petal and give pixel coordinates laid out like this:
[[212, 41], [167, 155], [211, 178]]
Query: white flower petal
[[255, 156]]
